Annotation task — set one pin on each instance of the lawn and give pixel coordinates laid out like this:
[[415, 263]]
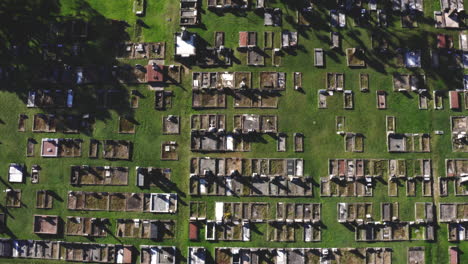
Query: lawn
[[297, 113]]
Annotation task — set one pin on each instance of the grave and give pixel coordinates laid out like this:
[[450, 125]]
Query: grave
[[171, 125], [117, 149], [127, 125], [46, 224]]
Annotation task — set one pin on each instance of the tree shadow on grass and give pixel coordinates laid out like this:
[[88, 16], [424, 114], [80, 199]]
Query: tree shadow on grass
[[39, 47]]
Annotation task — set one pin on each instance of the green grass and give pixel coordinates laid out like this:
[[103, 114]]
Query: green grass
[[297, 112]]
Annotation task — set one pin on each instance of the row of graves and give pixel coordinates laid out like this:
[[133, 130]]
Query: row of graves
[[410, 10], [405, 142], [98, 175], [226, 255], [335, 83], [456, 170], [233, 221], [211, 137], [50, 123], [141, 50], [218, 55], [459, 128], [156, 230], [162, 99], [408, 142], [66, 251], [354, 9], [189, 13], [352, 178], [50, 98], [69, 123], [282, 139], [360, 217], [209, 89], [111, 149], [44, 200], [295, 220], [456, 217], [122, 202], [454, 96], [86, 226], [248, 177], [446, 55], [411, 172], [147, 177], [358, 177], [121, 72], [188, 48], [274, 47], [56, 147], [223, 5]]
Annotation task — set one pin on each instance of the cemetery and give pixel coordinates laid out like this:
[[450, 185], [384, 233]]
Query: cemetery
[[224, 131]]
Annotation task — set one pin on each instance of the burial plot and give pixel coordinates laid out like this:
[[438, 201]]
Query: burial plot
[[134, 99], [319, 58], [305, 16], [272, 81], [89, 175], [269, 39], [30, 147], [153, 177], [208, 99], [13, 198], [46, 224], [117, 149], [354, 142], [355, 57], [171, 125], [335, 81], [335, 40], [298, 142], [298, 80], [197, 210], [364, 82], [416, 255], [281, 231], [69, 147], [348, 99], [281, 142], [381, 17], [206, 121], [423, 101], [340, 123], [322, 99], [409, 20], [22, 122], [86, 226], [435, 58], [381, 99], [156, 50], [169, 151], [126, 125], [390, 123], [93, 148], [44, 199], [255, 57], [44, 123]]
